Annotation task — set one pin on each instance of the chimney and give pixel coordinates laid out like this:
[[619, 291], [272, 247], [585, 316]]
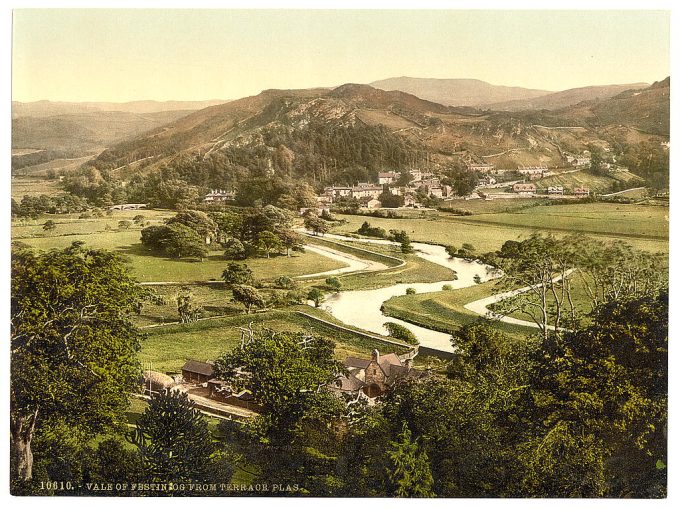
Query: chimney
[[375, 356]]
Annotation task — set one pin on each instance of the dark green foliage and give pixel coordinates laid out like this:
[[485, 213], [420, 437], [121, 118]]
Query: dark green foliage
[[238, 274], [317, 296], [411, 291], [333, 284], [316, 225], [35, 206], [371, 231], [49, 225], [409, 469], [188, 311], [390, 201], [234, 250], [196, 220], [173, 439], [400, 332], [74, 347], [248, 296], [182, 242], [124, 224], [286, 372]]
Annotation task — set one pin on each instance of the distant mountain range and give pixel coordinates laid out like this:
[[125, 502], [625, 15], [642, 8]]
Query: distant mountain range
[[354, 123], [51, 108], [476, 93], [457, 92]]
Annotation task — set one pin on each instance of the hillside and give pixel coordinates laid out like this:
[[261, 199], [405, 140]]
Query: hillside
[[51, 108], [349, 133], [85, 131], [646, 109], [565, 98], [457, 92]]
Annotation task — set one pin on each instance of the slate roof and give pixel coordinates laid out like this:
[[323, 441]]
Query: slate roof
[[202, 368], [356, 362]]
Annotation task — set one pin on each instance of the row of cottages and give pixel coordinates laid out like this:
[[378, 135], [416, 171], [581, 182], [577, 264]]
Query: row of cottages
[[219, 195], [375, 376], [363, 190], [481, 167], [532, 172], [388, 177], [555, 190]]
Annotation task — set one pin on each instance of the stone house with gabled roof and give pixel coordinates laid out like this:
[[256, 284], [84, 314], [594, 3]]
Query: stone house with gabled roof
[[373, 376]]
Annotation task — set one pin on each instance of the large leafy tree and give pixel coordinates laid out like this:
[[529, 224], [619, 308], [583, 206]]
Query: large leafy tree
[[73, 344], [409, 470], [600, 397], [173, 439], [198, 221], [286, 373]]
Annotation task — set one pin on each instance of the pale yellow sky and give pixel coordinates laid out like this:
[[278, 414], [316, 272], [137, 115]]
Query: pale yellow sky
[[123, 55]]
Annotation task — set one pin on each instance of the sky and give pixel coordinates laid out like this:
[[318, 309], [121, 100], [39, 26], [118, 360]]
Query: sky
[[137, 54]]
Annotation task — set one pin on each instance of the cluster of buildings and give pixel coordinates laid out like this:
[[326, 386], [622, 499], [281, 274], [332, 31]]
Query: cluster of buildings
[[219, 195], [368, 193], [373, 377], [364, 378], [529, 189]]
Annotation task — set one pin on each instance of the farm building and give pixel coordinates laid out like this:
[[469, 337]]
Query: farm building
[[197, 371], [582, 191], [373, 377], [370, 203], [524, 188], [555, 190]]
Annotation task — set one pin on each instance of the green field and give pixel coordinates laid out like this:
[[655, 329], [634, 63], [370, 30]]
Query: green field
[[445, 311], [596, 183], [167, 348], [149, 267], [33, 186], [644, 227]]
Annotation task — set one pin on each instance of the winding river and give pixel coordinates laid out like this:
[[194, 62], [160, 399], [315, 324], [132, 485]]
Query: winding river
[[361, 308]]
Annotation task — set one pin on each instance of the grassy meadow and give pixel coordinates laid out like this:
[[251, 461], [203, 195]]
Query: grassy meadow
[[644, 227], [167, 348], [104, 233]]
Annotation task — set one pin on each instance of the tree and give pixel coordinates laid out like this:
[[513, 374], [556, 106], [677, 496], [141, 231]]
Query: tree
[[285, 282], [390, 201], [238, 274], [406, 246], [291, 240], [316, 225], [409, 470], [248, 296], [400, 332], [181, 242], [316, 296], [410, 291], [269, 242], [452, 251], [154, 236], [138, 219], [173, 439], [600, 395], [333, 284], [234, 249], [73, 344], [197, 221], [286, 372], [188, 311], [124, 224], [49, 225]]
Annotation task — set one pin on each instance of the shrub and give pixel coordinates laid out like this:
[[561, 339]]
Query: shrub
[[410, 291]]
